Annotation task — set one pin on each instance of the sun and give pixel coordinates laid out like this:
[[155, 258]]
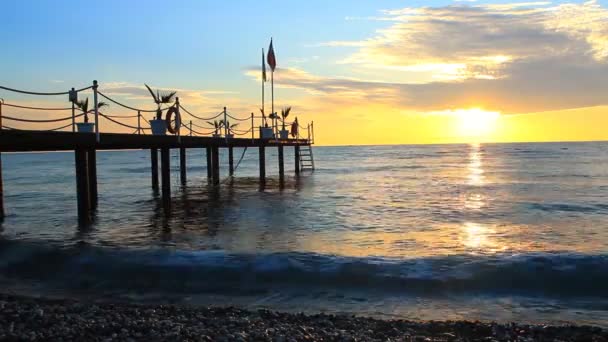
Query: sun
[[475, 122]]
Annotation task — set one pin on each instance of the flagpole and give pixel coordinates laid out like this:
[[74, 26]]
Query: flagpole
[[263, 81], [272, 95]]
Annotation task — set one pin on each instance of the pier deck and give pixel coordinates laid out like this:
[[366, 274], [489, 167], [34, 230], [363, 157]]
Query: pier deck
[[41, 141]]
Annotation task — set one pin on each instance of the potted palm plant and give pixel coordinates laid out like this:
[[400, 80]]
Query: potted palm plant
[[265, 131], [86, 126], [229, 129], [284, 133], [217, 128], [158, 125]]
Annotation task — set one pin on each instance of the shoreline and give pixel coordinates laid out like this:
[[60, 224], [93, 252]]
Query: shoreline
[[32, 318]]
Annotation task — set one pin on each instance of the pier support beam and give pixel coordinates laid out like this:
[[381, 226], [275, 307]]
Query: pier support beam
[[231, 161], [182, 165], [92, 176], [82, 186], [154, 166], [165, 176], [262, 165], [296, 153], [2, 214], [281, 163], [215, 154], [209, 165]]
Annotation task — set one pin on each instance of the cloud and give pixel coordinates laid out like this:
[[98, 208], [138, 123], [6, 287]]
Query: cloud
[[512, 58], [480, 41]]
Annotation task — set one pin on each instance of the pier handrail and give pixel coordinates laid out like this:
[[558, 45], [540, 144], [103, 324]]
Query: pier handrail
[[201, 118], [198, 126], [33, 108], [125, 106], [43, 93]]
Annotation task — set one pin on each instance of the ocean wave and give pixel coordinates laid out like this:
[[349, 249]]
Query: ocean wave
[[540, 274]]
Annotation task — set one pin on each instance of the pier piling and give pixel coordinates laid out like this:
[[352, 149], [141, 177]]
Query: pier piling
[[209, 165], [1, 192], [154, 167], [215, 154], [92, 177], [231, 161], [296, 150], [182, 165], [165, 176], [262, 164], [281, 163], [82, 186]]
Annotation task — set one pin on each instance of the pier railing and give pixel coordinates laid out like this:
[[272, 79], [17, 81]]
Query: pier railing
[[222, 124]]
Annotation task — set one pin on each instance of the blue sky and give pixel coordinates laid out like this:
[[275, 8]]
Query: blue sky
[[193, 44], [511, 59]]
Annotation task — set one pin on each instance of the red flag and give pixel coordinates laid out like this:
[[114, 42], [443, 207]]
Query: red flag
[[271, 59]]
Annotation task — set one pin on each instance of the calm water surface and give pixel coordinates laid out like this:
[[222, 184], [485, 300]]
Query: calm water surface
[[509, 232]]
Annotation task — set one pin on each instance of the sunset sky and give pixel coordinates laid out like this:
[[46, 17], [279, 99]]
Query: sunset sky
[[366, 72]]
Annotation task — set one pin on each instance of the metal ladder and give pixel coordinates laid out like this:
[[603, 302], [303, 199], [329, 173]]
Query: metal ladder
[[307, 160]]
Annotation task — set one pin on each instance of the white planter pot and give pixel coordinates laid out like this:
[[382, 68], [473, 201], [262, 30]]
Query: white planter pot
[[266, 133], [159, 127], [85, 127], [217, 135], [284, 134], [229, 136]]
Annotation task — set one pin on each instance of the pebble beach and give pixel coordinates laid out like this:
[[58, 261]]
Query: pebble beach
[[37, 319]]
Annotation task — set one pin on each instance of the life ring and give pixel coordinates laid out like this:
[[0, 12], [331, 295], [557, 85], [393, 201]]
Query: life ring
[[178, 120]]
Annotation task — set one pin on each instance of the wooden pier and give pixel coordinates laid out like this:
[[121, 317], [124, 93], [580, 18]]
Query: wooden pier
[[85, 146], [85, 139]]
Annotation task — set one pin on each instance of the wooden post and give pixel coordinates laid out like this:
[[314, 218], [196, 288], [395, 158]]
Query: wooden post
[[252, 128], [73, 114], [209, 165], [262, 164], [82, 186], [165, 176], [281, 164], [216, 164], [182, 164], [154, 166], [231, 161], [2, 214], [138, 122], [95, 85], [92, 176], [296, 153]]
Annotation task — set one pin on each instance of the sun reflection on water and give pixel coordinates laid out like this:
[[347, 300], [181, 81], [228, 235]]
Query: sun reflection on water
[[475, 168]]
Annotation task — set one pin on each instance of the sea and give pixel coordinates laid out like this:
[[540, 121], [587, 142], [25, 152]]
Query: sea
[[490, 232]]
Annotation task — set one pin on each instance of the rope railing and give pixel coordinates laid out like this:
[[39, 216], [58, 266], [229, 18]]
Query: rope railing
[[248, 125], [33, 108], [121, 116], [119, 123], [199, 126], [41, 93], [200, 118], [60, 128], [124, 105], [41, 121], [237, 119]]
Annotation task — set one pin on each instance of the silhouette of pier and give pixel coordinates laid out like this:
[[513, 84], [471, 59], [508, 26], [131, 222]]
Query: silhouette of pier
[[85, 139]]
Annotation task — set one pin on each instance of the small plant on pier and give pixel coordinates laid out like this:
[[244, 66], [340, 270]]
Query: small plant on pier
[[84, 107], [161, 98], [284, 115], [217, 125], [230, 127]]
